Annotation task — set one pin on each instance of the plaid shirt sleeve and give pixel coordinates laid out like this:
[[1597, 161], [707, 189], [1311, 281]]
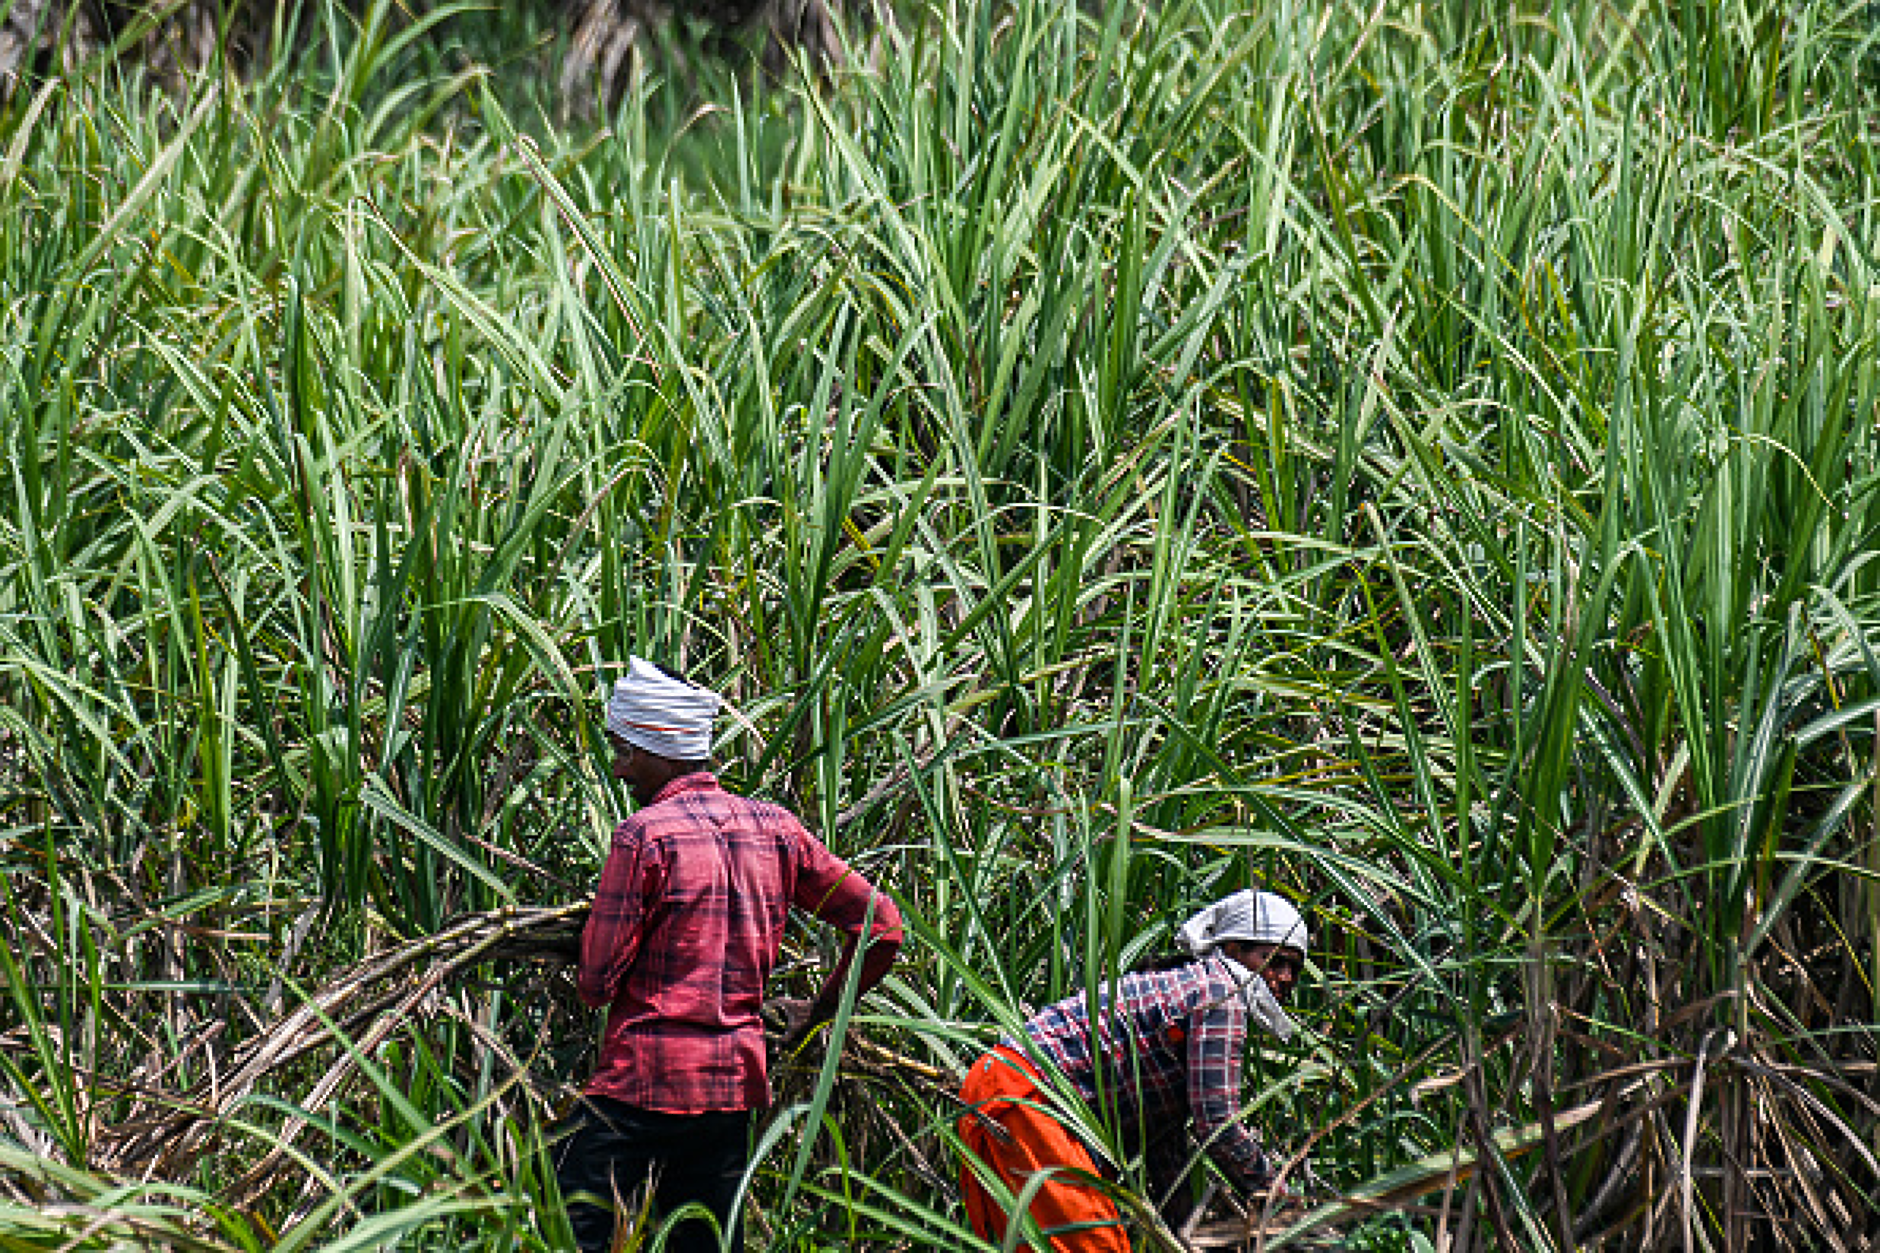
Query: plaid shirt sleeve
[[633, 877], [1216, 1036], [829, 889]]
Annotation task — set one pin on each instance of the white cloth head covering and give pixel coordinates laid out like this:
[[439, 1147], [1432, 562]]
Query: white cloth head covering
[[1256, 918], [665, 716]]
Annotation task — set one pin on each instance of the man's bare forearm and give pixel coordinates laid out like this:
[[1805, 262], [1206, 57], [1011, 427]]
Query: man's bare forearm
[[876, 963]]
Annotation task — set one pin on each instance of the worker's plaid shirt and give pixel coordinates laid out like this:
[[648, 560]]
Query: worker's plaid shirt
[[686, 927], [1171, 1049]]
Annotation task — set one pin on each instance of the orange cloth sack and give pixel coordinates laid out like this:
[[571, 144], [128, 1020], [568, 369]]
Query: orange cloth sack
[[1002, 1091]]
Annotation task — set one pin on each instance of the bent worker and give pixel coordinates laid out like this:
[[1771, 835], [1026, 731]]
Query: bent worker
[[685, 929], [1171, 1038]]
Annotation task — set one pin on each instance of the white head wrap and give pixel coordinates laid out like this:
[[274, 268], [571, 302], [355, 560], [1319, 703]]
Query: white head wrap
[[1255, 918], [666, 716]]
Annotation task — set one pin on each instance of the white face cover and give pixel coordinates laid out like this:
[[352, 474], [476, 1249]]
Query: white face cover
[[1254, 918], [1262, 1006], [651, 710]]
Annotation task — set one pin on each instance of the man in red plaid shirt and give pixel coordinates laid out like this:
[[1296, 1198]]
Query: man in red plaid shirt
[[685, 929]]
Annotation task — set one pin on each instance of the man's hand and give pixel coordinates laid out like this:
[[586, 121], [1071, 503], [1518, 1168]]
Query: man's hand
[[1267, 1186], [791, 1016]]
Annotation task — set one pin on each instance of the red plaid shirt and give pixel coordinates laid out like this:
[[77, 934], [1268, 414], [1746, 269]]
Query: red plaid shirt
[[685, 929]]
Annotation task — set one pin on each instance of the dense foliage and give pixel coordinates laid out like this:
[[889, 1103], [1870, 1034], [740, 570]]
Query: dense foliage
[[1421, 458]]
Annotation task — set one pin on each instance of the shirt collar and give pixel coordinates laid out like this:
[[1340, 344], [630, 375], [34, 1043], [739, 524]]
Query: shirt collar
[[697, 781]]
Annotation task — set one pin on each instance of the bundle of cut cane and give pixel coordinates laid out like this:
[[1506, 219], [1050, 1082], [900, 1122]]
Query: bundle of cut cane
[[361, 1007]]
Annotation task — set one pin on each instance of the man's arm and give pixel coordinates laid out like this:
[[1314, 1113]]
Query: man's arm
[[611, 939], [1215, 1039], [829, 889], [883, 947]]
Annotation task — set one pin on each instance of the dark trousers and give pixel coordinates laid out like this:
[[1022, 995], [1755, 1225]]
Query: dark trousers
[[611, 1149]]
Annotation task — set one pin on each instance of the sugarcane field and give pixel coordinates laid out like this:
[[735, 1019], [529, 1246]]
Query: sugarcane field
[[926, 625]]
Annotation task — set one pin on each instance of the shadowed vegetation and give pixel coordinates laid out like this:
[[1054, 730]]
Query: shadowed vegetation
[[1422, 459]]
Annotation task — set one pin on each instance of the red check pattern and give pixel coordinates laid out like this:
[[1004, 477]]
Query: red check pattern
[[1171, 1044], [686, 926]]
